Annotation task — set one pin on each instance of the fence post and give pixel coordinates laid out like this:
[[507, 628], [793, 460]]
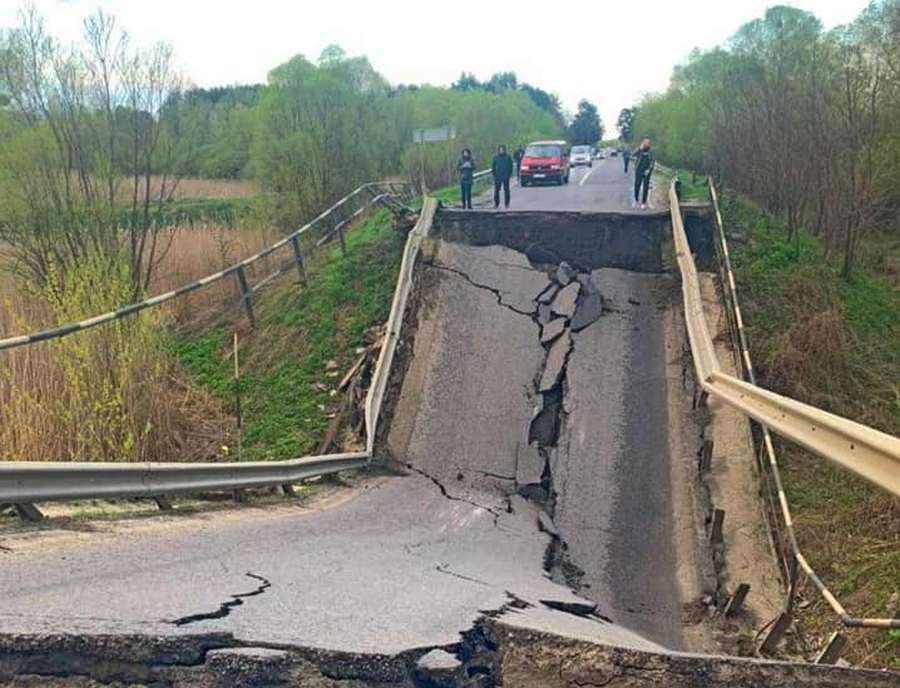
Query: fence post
[[832, 652], [298, 259], [246, 295], [340, 231]]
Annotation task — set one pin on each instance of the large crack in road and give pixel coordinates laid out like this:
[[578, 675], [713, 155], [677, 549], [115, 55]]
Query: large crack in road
[[571, 402]]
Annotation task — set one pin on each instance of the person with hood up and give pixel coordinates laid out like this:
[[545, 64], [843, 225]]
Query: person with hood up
[[645, 161], [502, 170], [465, 167]]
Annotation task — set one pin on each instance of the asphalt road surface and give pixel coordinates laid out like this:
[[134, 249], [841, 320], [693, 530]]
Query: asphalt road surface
[[412, 561], [603, 187]]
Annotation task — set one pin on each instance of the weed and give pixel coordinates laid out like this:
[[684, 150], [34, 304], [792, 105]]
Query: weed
[[285, 388]]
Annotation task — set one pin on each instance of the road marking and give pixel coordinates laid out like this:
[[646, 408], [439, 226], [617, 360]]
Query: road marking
[[585, 177]]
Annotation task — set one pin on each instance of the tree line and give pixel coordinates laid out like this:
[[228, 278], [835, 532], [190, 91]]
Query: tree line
[[804, 121], [95, 138]]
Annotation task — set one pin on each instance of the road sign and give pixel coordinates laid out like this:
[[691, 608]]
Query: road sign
[[446, 133]]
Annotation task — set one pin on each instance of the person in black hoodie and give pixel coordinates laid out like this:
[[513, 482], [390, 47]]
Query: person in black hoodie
[[465, 167], [517, 156], [502, 170], [645, 161]]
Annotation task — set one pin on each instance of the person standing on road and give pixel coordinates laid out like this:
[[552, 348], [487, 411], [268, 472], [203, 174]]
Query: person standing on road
[[465, 166], [626, 156], [501, 169], [644, 164], [517, 156]]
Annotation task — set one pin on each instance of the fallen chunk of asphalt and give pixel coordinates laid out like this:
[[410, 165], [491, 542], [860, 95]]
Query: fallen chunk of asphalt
[[552, 330], [589, 307], [548, 294], [564, 303], [586, 610], [529, 465], [565, 273], [556, 362], [438, 668], [546, 524], [544, 313]]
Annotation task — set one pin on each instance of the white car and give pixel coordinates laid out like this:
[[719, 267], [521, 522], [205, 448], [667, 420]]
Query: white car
[[580, 155]]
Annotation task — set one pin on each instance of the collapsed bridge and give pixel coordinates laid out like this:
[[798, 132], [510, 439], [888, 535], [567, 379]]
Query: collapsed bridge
[[542, 410]]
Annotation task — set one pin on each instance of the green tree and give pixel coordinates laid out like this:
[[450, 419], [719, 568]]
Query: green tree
[[625, 123], [586, 128]]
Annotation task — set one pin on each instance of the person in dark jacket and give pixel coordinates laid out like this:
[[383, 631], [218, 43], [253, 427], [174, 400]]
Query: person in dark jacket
[[626, 156], [502, 170], [465, 167], [517, 156], [645, 161]]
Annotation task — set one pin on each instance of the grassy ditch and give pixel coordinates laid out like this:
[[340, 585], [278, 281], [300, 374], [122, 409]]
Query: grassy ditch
[[833, 343], [287, 392]]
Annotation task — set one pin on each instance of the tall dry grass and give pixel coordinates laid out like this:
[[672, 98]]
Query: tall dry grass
[[205, 248], [191, 187], [114, 393]]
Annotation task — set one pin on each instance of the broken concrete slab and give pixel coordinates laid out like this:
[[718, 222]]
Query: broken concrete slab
[[552, 330], [529, 465], [548, 294], [564, 303], [546, 524], [556, 361], [438, 668], [565, 273], [504, 271], [589, 307], [544, 313]]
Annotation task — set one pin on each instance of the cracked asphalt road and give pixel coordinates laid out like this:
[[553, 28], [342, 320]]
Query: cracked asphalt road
[[412, 561]]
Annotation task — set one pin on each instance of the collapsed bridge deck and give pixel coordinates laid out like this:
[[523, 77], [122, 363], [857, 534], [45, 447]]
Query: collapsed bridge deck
[[542, 367]]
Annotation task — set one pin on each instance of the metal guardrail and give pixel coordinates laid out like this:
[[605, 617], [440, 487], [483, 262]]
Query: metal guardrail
[[27, 482], [869, 453], [237, 270]]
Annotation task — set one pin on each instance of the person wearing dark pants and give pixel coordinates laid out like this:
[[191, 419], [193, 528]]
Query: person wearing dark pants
[[465, 167], [644, 164], [502, 170], [517, 156], [626, 156]]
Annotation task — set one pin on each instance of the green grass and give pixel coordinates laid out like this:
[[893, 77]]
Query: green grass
[[298, 331], [835, 343]]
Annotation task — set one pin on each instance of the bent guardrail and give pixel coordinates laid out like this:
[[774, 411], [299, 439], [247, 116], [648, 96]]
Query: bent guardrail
[[28, 482], [869, 453], [237, 270]]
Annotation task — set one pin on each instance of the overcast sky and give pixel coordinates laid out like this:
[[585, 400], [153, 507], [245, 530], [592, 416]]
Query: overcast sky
[[608, 52]]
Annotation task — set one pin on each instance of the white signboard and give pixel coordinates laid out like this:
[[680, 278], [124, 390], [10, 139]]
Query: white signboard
[[431, 135]]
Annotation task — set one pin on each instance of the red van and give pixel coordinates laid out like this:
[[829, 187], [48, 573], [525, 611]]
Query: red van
[[545, 161]]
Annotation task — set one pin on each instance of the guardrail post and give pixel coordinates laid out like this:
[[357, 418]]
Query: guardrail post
[[775, 634], [298, 259], [29, 512], [736, 602], [715, 531], [340, 231], [706, 456], [246, 295], [163, 503], [833, 650], [287, 489]]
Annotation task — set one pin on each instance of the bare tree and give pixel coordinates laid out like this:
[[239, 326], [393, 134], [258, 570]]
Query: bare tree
[[89, 165]]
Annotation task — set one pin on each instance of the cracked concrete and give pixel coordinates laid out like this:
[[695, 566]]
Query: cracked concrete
[[226, 607]]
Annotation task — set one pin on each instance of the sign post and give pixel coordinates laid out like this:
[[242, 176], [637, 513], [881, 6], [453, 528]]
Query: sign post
[[423, 136]]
